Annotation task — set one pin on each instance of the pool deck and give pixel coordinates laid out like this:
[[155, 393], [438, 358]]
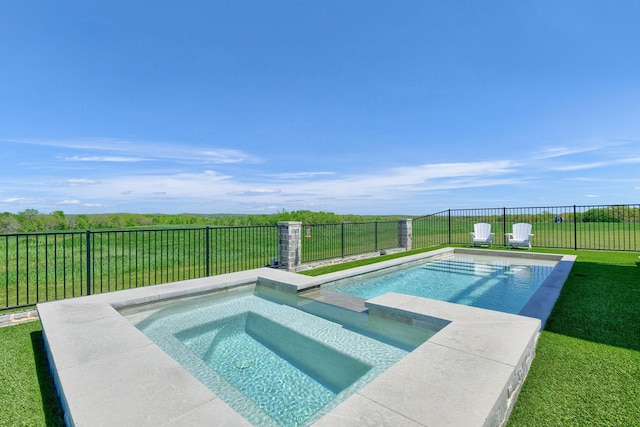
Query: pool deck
[[468, 374]]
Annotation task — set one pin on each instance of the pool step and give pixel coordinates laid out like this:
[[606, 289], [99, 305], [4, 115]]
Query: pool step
[[334, 298]]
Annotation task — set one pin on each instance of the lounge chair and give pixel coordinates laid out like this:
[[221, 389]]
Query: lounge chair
[[520, 236], [481, 234]]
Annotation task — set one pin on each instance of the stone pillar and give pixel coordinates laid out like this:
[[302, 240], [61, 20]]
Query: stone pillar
[[405, 233], [290, 242]]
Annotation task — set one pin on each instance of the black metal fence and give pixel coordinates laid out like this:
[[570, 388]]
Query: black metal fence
[[37, 267], [596, 227], [327, 241]]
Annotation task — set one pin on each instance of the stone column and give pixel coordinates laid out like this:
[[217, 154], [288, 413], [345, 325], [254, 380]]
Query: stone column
[[405, 233], [290, 242]]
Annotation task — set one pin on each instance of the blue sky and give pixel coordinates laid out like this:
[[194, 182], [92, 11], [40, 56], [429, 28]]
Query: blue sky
[[352, 107]]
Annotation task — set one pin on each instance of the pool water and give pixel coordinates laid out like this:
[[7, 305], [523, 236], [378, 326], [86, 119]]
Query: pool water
[[273, 363], [497, 283]]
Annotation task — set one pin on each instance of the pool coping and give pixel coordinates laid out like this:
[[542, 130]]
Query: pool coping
[[107, 372]]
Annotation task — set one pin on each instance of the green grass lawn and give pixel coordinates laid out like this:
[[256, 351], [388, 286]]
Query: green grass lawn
[[586, 370], [587, 365], [28, 394]]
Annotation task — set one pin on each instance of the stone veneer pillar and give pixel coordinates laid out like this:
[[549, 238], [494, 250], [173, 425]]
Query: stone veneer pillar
[[289, 238], [405, 233]]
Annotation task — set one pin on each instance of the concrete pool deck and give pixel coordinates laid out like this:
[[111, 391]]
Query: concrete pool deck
[[468, 374]]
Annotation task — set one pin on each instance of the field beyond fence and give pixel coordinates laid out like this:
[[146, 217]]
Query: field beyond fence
[[38, 267]]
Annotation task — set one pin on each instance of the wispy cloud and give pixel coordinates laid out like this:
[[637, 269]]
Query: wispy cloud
[[582, 147], [114, 159], [552, 152], [599, 164], [81, 181], [103, 149], [261, 192], [301, 175], [21, 200]]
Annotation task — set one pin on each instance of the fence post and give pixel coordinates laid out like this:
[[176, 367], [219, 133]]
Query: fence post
[[290, 244], [207, 252], [504, 226], [342, 240], [449, 225], [88, 240], [575, 229], [376, 236], [405, 233]]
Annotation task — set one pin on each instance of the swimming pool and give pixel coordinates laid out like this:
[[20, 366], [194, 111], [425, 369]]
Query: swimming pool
[[273, 363], [107, 372], [493, 282]]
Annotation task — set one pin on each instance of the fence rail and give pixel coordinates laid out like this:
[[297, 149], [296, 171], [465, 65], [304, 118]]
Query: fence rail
[[37, 267]]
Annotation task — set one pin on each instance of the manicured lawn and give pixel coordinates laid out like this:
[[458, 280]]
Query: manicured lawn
[[586, 370], [587, 365], [28, 394]]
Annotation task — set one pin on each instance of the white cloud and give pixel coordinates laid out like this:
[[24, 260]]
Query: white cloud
[[261, 192], [299, 175], [81, 181], [104, 159], [600, 164], [21, 200], [552, 152], [102, 149]]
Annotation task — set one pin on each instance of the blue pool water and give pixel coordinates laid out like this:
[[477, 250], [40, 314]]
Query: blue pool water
[[273, 363], [497, 283]]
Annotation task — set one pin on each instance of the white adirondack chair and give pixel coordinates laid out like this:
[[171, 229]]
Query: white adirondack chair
[[520, 236], [481, 234]]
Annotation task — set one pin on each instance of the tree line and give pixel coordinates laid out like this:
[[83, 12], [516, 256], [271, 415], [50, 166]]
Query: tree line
[[30, 220]]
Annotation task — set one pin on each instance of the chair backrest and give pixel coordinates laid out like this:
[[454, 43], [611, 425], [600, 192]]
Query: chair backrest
[[482, 230], [521, 231]]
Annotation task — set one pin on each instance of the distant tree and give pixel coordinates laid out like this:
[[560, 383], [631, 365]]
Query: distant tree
[[599, 215], [9, 223], [82, 222], [29, 220], [60, 220]]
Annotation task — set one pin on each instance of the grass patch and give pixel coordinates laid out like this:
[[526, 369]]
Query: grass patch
[[365, 261], [574, 382], [29, 396], [587, 360]]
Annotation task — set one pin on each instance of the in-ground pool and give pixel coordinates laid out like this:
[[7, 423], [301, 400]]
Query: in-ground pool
[[273, 363], [500, 283], [107, 372]]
